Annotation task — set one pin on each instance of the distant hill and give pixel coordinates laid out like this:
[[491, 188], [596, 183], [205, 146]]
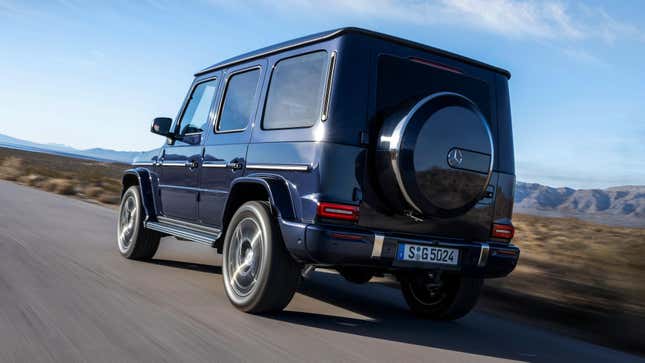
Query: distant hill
[[63, 150], [624, 205]]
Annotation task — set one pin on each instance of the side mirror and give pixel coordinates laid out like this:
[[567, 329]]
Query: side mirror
[[161, 126]]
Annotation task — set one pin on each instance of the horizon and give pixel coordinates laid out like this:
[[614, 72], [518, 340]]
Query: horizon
[[18, 147], [102, 72]]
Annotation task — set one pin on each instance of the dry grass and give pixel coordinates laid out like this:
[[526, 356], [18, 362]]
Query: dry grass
[[579, 264], [68, 176], [10, 168]]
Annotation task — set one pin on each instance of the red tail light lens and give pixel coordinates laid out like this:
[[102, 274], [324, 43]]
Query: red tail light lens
[[338, 211], [505, 252], [347, 236], [505, 231]]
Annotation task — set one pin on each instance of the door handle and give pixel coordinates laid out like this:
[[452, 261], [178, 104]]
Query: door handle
[[235, 165], [192, 164]]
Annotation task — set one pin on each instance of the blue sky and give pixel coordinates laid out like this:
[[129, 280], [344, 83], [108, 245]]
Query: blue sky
[[94, 75]]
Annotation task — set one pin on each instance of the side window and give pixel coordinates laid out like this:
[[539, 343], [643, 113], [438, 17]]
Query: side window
[[296, 92], [239, 101], [195, 117]]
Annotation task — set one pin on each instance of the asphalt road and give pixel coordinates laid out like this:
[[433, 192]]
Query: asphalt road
[[67, 295]]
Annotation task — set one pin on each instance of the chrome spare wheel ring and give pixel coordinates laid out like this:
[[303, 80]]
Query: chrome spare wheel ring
[[244, 257], [127, 220]]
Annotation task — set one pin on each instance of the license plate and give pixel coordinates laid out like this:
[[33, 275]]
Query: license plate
[[418, 253]]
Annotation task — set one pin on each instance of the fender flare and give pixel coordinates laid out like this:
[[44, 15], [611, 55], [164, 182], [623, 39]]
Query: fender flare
[[146, 189], [279, 190]]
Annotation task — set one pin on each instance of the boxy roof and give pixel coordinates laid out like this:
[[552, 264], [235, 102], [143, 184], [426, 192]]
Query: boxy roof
[[319, 37]]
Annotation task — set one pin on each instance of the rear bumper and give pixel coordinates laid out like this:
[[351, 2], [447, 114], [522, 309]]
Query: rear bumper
[[334, 246]]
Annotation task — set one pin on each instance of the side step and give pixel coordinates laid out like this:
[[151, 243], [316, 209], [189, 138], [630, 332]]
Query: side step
[[184, 232]]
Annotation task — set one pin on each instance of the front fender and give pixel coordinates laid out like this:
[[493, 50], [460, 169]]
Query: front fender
[[146, 182]]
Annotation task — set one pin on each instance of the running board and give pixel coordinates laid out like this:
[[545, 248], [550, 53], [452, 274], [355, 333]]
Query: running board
[[184, 232]]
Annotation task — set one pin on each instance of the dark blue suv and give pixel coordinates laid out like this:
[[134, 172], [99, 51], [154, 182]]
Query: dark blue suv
[[348, 149]]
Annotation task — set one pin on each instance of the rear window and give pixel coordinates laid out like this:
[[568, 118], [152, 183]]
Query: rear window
[[296, 92], [402, 82]]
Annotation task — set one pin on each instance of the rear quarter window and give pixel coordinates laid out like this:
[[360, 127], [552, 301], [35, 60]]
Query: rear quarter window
[[239, 101], [296, 92]]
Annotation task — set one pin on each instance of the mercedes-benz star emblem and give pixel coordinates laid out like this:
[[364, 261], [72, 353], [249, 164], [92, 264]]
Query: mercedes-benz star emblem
[[455, 157]]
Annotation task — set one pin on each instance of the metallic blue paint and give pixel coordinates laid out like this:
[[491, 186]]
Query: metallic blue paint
[[338, 154], [178, 182]]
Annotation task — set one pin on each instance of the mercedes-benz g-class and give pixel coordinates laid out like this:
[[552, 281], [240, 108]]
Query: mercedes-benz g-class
[[350, 150]]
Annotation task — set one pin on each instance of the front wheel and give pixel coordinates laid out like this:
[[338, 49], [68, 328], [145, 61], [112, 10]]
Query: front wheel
[[440, 297], [259, 274], [134, 241]]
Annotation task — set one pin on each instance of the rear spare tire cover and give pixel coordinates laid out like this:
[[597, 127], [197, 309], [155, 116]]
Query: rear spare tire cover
[[436, 157]]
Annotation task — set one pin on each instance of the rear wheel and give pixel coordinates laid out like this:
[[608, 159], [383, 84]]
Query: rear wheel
[[445, 297], [134, 241], [259, 274]]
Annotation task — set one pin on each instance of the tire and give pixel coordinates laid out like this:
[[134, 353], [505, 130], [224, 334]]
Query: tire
[[133, 240], [259, 274], [356, 275], [453, 299]]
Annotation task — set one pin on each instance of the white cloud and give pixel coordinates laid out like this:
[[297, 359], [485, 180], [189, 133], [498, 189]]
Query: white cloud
[[551, 19], [583, 56], [513, 18], [12, 8]]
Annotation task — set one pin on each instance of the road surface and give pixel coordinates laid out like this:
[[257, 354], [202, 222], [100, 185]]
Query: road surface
[[67, 295]]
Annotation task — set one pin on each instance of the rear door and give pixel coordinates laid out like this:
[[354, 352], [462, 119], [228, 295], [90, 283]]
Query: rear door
[[402, 77], [226, 146], [181, 160]]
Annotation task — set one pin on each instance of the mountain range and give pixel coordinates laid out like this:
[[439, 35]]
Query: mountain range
[[623, 205], [64, 150]]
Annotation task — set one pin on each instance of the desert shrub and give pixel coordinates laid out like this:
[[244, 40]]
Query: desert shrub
[[31, 179], [109, 198], [63, 175], [11, 168], [93, 191], [60, 186]]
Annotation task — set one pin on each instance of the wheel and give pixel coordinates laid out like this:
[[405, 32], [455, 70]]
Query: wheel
[[448, 297], [356, 275], [134, 241], [259, 274]]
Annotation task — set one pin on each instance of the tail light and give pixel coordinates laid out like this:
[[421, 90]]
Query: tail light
[[505, 231], [338, 211], [443, 67], [505, 252], [347, 236]]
